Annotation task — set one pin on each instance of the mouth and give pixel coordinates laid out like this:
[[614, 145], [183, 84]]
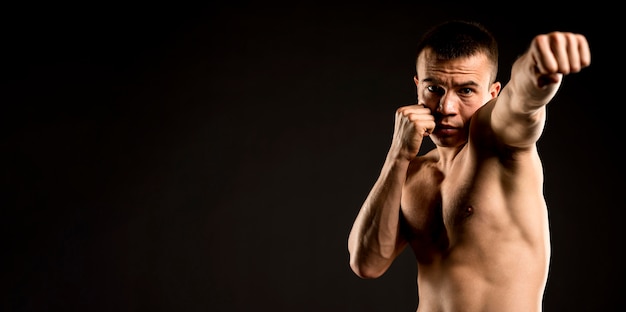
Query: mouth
[[446, 129]]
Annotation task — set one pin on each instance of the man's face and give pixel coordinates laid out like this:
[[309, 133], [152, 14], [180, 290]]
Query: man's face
[[453, 90]]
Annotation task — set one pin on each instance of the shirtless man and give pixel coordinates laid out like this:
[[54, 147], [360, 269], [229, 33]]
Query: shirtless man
[[472, 209]]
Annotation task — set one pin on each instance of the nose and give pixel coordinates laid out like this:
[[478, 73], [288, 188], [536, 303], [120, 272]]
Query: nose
[[447, 104]]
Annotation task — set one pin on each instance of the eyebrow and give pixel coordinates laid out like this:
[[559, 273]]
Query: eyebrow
[[456, 85]]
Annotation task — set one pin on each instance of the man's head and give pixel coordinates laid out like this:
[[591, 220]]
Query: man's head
[[457, 39], [457, 65]]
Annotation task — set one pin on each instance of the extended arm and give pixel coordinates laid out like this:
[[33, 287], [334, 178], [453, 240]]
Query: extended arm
[[519, 114]]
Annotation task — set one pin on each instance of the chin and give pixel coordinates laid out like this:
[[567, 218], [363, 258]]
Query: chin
[[447, 141]]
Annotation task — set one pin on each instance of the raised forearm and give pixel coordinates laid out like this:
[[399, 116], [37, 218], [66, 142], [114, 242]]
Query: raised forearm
[[374, 239]]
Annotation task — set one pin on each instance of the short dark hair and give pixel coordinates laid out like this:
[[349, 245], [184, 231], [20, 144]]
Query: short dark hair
[[460, 38]]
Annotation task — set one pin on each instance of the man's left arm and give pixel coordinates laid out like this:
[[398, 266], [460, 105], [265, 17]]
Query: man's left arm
[[518, 116]]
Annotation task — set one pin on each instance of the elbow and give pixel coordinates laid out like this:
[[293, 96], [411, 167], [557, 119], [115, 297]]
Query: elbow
[[364, 269], [364, 272], [369, 262]]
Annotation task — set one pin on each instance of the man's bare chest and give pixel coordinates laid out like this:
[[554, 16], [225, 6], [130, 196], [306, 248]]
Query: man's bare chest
[[436, 204]]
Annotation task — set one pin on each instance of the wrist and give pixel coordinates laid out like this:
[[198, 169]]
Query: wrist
[[400, 157]]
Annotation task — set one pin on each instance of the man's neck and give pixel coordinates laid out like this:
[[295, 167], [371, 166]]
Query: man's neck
[[447, 155]]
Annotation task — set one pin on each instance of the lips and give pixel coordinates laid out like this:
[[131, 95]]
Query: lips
[[445, 129]]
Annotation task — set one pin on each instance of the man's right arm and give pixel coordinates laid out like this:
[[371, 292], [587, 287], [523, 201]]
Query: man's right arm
[[375, 239]]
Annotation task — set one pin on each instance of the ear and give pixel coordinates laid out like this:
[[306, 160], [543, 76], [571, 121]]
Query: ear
[[495, 89], [416, 80]]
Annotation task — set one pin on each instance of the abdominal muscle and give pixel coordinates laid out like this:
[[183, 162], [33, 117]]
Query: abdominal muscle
[[462, 281]]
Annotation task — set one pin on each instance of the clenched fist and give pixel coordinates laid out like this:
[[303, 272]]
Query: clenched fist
[[412, 124], [552, 55]]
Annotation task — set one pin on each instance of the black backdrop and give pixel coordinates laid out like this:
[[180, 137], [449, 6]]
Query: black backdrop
[[213, 157]]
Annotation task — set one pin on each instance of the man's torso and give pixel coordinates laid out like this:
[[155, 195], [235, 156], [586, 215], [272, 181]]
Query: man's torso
[[479, 231]]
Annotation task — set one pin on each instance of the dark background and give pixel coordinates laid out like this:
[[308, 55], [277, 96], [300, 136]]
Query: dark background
[[212, 157]]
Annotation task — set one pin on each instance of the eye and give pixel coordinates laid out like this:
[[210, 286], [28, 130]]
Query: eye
[[436, 89], [466, 91]]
